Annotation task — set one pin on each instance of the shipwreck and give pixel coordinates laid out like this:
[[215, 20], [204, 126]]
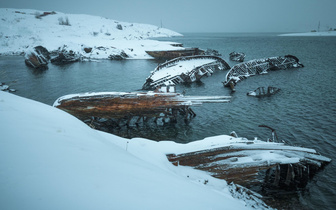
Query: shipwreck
[[171, 54], [259, 66], [184, 70], [237, 56], [134, 107], [262, 91], [270, 164]]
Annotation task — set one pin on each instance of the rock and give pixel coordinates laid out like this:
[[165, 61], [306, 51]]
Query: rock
[[37, 58], [121, 56], [88, 49]]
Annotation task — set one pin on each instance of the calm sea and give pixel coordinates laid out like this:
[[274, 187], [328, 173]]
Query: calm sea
[[303, 112]]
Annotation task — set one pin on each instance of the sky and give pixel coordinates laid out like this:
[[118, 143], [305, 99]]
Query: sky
[[201, 15]]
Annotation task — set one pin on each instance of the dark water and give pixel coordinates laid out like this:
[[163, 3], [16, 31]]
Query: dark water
[[303, 112]]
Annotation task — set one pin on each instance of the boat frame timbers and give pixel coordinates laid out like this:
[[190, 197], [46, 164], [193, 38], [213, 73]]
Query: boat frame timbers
[[191, 75], [259, 66]]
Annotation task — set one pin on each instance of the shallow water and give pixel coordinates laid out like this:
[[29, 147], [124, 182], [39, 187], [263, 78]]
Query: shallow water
[[303, 112]]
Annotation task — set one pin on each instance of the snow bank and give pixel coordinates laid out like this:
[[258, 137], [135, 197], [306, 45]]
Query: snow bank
[[51, 160], [324, 33], [21, 29]]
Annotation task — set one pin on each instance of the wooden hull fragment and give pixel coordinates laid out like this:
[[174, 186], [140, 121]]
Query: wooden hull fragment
[[171, 54], [256, 162], [121, 105]]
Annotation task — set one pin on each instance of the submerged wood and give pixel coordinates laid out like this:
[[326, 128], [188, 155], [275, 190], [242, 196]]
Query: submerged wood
[[262, 91], [127, 105], [171, 54], [237, 56], [255, 162], [184, 69], [259, 66]]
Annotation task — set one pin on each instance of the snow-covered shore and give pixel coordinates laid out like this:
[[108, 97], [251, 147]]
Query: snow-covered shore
[[23, 29], [324, 33], [51, 160]]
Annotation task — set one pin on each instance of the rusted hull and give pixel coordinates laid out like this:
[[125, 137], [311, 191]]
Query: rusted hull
[[171, 54], [225, 163], [116, 105]]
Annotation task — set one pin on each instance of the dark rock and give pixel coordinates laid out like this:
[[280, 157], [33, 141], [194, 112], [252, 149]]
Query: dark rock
[[119, 26], [88, 49], [121, 56]]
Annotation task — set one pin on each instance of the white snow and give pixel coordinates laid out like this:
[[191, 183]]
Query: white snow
[[181, 67], [21, 29], [322, 33], [51, 160]]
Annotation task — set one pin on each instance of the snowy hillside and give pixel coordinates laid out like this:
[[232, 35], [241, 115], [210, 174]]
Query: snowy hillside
[[51, 160], [21, 29]]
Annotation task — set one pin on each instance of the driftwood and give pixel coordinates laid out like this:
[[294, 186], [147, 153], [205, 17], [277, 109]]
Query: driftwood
[[184, 69], [129, 105], [259, 66], [255, 162]]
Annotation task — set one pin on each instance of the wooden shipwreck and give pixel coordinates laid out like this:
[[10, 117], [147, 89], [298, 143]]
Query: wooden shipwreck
[[262, 91], [253, 162], [171, 54], [164, 104], [184, 69], [237, 56], [259, 66]]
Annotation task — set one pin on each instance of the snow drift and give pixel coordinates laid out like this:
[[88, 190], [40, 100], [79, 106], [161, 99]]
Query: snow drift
[[51, 160]]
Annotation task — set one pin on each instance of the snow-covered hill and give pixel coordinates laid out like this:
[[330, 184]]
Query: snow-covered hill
[[21, 29], [51, 160]]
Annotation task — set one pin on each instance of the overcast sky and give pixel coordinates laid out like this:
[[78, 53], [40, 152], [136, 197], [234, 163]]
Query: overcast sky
[[201, 15]]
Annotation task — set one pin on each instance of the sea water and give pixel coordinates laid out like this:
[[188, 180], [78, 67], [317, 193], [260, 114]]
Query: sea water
[[303, 112]]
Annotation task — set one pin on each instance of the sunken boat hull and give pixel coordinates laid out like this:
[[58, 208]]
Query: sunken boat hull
[[129, 105], [259, 66], [184, 70], [255, 163], [171, 54]]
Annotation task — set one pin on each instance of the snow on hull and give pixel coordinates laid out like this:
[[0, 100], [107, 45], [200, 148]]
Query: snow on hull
[[118, 106], [246, 162], [184, 69]]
